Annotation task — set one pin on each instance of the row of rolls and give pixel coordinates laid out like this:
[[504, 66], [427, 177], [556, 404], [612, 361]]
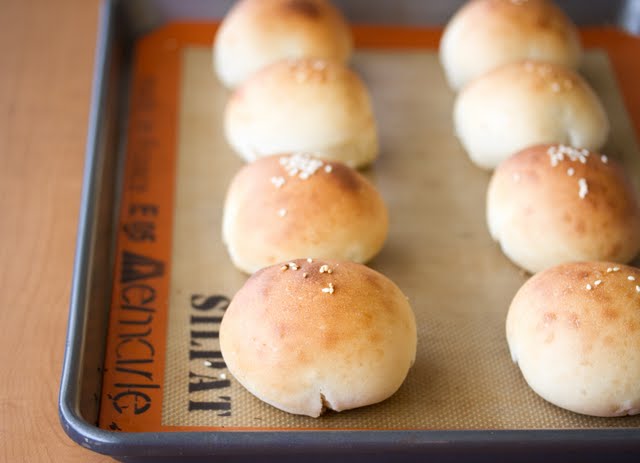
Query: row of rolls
[[558, 207], [301, 219], [312, 329]]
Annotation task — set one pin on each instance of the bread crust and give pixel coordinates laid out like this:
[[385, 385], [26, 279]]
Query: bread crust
[[303, 105], [256, 33], [325, 209], [574, 331], [486, 34], [545, 206], [524, 104], [302, 348]]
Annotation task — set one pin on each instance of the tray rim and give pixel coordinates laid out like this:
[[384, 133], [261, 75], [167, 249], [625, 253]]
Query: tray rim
[[76, 427], [615, 441]]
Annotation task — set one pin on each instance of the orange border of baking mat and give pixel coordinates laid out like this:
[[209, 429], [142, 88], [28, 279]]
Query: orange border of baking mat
[[135, 351]]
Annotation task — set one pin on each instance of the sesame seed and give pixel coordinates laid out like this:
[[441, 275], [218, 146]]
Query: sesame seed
[[631, 278], [571, 171], [329, 290], [637, 289], [328, 169], [597, 282], [277, 181], [557, 153], [293, 266], [324, 268], [583, 188], [207, 363], [305, 275], [222, 376], [609, 270], [588, 286], [282, 212], [604, 159], [301, 164], [284, 267], [543, 70], [615, 269], [310, 260]]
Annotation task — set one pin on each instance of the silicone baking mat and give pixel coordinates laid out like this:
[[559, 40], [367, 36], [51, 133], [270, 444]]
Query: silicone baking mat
[[163, 368]]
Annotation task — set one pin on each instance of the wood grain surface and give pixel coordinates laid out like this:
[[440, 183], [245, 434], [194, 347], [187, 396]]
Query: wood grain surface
[[46, 62]]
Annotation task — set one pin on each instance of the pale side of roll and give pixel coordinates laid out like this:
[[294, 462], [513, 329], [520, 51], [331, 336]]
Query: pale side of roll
[[486, 34], [283, 207], [303, 105], [574, 331], [256, 33], [311, 334], [524, 104], [552, 204]]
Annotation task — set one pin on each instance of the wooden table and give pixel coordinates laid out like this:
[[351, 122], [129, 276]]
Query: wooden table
[[46, 62]]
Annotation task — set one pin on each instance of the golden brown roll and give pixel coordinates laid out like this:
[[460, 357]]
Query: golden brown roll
[[574, 331], [311, 335], [283, 207], [552, 204], [485, 34], [303, 105], [256, 33], [527, 103]]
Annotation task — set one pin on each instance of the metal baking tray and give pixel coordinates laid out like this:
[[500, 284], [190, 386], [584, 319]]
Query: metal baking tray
[[122, 24]]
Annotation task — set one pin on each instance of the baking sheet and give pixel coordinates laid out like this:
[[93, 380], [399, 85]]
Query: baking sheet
[[438, 251]]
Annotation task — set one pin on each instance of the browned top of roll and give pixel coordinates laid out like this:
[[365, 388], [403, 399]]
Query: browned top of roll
[[574, 330], [256, 33], [485, 34], [305, 335], [313, 105], [285, 207], [551, 204]]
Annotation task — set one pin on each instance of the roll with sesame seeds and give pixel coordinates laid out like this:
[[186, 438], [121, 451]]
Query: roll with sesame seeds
[[284, 207], [552, 204], [256, 33], [303, 105], [524, 104], [486, 34], [577, 341], [337, 339]]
